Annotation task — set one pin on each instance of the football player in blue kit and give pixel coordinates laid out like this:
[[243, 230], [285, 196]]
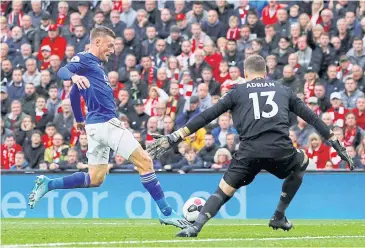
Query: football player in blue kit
[[103, 129]]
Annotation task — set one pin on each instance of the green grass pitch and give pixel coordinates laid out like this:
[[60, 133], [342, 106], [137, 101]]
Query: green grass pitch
[[149, 233]]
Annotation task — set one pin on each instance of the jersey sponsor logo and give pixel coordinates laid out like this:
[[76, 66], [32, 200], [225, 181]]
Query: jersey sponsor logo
[[75, 59], [251, 85]]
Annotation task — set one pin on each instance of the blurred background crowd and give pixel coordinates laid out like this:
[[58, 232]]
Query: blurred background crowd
[[173, 60]]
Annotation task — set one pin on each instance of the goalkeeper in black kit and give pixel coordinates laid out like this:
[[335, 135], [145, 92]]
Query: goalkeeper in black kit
[[260, 110]]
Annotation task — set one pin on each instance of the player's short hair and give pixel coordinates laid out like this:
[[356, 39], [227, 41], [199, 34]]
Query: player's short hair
[[100, 31], [255, 64]]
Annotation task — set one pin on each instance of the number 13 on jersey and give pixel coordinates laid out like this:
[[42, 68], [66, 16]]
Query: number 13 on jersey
[[269, 101]]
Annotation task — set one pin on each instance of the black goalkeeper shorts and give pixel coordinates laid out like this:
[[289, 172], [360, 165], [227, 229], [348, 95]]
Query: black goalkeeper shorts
[[242, 172]]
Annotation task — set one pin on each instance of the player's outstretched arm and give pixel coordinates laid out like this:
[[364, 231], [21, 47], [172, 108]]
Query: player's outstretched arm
[[164, 143], [298, 107], [76, 104], [65, 74]]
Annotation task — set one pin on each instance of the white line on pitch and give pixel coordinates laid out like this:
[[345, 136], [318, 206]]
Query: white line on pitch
[[183, 241]]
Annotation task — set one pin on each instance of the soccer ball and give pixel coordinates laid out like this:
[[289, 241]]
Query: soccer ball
[[192, 207]]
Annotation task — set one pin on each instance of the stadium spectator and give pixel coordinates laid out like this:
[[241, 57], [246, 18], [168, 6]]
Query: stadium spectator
[[40, 114], [20, 162], [65, 120], [15, 42], [255, 24], [138, 118], [8, 151], [23, 56], [337, 110], [6, 70], [235, 76], [197, 14], [80, 39], [49, 133], [4, 131], [231, 144], [150, 130], [65, 91], [323, 101], [290, 80], [273, 72], [140, 24], [24, 132], [246, 38], [352, 153], [28, 101], [114, 84], [318, 151], [222, 159], [57, 152], [174, 41], [293, 138], [352, 133], [130, 64], [208, 151], [124, 103], [232, 56], [70, 163], [117, 59], [168, 125], [85, 13], [282, 52], [222, 130], [34, 150], [129, 15], [55, 41], [191, 111], [357, 53], [359, 112], [184, 57], [213, 86], [46, 54], [53, 102], [5, 101], [269, 13], [350, 94], [332, 83], [358, 75], [14, 118], [132, 42], [327, 119], [311, 79], [223, 72], [99, 19], [205, 99], [175, 104], [116, 24], [155, 96], [304, 52], [31, 75], [41, 31], [68, 29], [189, 162], [302, 131], [163, 27], [16, 87]]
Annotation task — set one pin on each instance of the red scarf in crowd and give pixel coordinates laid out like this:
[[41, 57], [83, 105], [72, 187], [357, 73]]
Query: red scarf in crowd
[[193, 45], [343, 73], [319, 156], [243, 13], [12, 16], [39, 114], [186, 90], [160, 83], [338, 115], [117, 5], [171, 107], [61, 19], [350, 134], [308, 90], [233, 34], [150, 75]]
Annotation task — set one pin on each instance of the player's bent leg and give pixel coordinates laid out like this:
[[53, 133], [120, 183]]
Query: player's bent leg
[[210, 209], [290, 187]]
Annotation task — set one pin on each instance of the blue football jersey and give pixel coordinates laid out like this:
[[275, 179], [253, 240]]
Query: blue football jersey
[[99, 96]]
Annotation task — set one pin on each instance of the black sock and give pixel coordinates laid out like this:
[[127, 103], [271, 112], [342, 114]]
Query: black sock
[[290, 187], [211, 208]]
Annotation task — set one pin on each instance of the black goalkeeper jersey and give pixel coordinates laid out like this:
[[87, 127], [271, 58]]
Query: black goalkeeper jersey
[[260, 110]]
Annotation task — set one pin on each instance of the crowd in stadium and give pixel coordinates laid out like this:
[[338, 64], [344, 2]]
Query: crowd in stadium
[[173, 60]]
